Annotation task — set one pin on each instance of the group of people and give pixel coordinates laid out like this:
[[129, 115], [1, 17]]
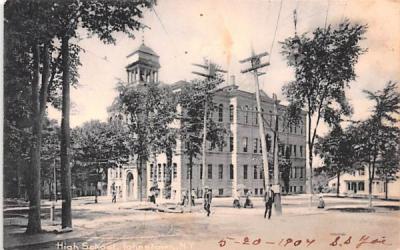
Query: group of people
[[207, 199], [269, 199]]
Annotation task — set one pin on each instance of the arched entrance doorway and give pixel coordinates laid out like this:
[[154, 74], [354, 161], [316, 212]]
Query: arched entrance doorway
[[129, 185]]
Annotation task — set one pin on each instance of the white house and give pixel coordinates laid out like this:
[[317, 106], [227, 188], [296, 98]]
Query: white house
[[356, 184]]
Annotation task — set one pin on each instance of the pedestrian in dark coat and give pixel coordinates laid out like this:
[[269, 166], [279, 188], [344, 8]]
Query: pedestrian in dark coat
[[269, 199], [114, 193], [207, 200]]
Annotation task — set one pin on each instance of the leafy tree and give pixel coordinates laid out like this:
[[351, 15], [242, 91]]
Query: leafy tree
[[378, 134], [285, 164], [390, 163], [17, 113], [338, 151], [102, 18], [191, 102], [40, 22], [30, 30], [97, 145], [324, 67], [149, 110]]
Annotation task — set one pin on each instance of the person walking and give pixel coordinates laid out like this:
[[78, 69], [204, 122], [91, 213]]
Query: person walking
[[321, 203], [193, 197], [184, 198], [114, 193], [207, 200], [269, 199]]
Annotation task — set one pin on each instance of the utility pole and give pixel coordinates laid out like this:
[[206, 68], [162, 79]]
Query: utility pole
[[278, 204], [255, 65], [211, 75], [53, 205]]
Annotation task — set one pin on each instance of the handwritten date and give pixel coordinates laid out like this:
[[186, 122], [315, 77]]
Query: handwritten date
[[338, 241]]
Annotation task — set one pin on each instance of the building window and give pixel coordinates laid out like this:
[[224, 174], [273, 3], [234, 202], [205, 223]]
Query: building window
[[231, 171], [296, 170], [255, 171], [221, 146], [301, 172], [175, 170], [151, 171], [231, 110], [290, 189], [262, 173], [301, 130], [361, 186], [231, 144], [220, 112], [256, 191], [268, 141], [245, 143], [255, 145], [245, 172], [348, 186], [261, 191], [246, 114], [256, 113], [301, 151], [164, 172], [361, 172], [295, 150], [221, 191], [220, 171], [209, 171], [295, 129], [301, 188], [291, 129], [281, 149], [201, 171], [159, 172], [294, 189]]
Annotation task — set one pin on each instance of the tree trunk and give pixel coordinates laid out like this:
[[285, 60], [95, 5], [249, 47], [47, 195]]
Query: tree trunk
[[34, 222], [338, 184], [369, 192], [50, 191], [309, 146], [311, 173], [66, 220], [369, 186], [140, 178], [170, 171], [386, 187], [190, 181], [17, 176], [96, 185]]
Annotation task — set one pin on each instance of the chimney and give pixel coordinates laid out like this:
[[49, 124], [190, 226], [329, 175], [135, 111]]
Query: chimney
[[233, 80]]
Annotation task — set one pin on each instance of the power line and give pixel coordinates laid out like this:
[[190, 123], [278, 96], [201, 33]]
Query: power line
[[276, 29]]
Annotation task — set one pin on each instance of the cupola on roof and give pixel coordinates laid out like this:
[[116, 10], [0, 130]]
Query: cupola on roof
[[143, 65], [144, 55]]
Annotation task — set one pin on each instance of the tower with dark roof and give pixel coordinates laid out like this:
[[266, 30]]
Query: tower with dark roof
[[143, 65]]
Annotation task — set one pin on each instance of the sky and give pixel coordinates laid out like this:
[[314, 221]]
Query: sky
[[184, 32]]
